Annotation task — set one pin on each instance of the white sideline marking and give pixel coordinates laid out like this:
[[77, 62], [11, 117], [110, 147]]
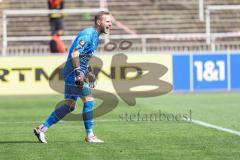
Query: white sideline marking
[[208, 125]]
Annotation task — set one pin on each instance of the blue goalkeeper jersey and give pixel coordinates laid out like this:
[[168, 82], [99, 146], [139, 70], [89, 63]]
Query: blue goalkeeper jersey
[[86, 43]]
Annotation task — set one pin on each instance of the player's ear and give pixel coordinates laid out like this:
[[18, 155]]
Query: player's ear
[[98, 22]]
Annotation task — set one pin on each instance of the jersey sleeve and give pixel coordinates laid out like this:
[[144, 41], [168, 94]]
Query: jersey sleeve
[[83, 44]]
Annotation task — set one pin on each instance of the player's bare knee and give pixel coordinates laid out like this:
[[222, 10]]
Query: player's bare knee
[[86, 99], [70, 102]]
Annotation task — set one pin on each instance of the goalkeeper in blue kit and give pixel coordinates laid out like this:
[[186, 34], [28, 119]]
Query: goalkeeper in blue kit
[[74, 73]]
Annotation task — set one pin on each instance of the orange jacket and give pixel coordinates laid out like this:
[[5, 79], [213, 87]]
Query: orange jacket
[[57, 45], [54, 4]]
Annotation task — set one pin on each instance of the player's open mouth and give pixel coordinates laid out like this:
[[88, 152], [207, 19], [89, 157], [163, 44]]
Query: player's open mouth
[[106, 29]]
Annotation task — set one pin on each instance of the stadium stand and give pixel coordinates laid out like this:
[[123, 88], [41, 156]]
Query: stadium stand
[[140, 16]]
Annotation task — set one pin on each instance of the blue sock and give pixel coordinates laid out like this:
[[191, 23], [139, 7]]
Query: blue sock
[[57, 115], [88, 116]]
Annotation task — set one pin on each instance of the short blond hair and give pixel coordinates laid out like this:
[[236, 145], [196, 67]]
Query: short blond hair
[[100, 14]]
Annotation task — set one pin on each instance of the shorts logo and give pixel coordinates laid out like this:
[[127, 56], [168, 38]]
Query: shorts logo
[[81, 43]]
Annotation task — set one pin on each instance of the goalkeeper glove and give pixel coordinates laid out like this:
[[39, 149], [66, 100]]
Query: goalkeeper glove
[[91, 80], [79, 78]]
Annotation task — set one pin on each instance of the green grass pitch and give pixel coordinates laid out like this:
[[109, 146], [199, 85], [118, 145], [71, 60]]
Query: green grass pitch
[[144, 139]]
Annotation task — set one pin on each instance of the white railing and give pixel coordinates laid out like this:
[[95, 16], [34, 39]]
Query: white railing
[[143, 39], [201, 9], [209, 10]]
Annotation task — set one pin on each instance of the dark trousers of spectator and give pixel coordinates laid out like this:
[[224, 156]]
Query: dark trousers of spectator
[[56, 24]]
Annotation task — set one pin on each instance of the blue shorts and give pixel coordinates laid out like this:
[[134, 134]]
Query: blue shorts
[[73, 92]]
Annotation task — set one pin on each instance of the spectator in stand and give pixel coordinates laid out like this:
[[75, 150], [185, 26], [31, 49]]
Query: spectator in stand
[[56, 19], [56, 44]]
